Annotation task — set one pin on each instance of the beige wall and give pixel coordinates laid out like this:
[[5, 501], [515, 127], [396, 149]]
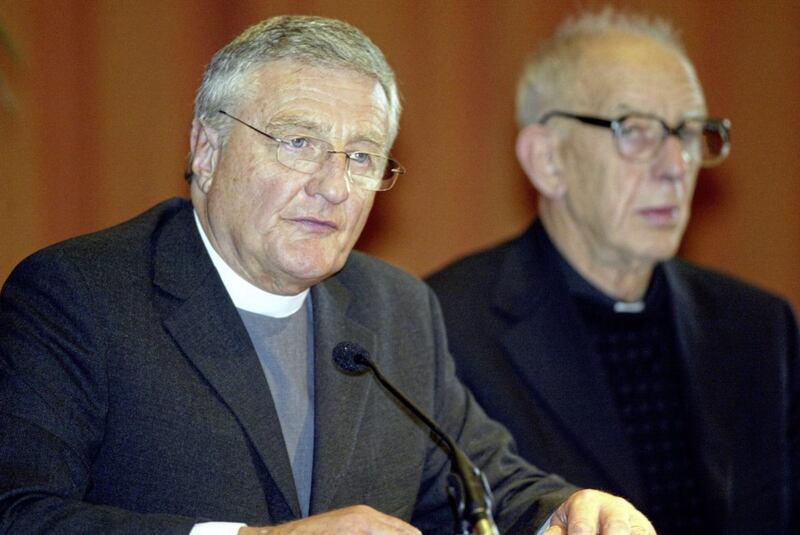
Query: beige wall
[[104, 97]]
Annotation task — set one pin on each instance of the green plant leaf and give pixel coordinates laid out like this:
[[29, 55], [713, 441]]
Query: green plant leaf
[[6, 97]]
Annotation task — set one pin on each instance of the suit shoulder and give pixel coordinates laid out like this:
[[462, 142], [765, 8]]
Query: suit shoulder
[[715, 286], [121, 235], [457, 276], [378, 276], [380, 294], [120, 246]]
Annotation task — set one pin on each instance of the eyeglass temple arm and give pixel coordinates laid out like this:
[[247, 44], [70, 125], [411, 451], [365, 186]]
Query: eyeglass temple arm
[[596, 121], [251, 127]]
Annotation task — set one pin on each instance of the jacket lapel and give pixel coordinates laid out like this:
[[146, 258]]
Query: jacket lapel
[[555, 359], [710, 372], [340, 398], [206, 326]]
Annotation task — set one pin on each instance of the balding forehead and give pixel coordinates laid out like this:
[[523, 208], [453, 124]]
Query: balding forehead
[[625, 48], [613, 63]]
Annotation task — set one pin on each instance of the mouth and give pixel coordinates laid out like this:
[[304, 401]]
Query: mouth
[[315, 225], [660, 216]]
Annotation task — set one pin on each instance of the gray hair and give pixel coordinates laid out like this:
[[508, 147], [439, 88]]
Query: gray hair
[[552, 69], [314, 41]]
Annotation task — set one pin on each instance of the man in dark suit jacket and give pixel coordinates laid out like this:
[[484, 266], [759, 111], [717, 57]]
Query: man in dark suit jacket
[[683, 382], [173, 374]]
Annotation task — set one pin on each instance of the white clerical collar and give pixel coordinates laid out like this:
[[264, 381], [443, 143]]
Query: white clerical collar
[[246, 296], [629, 307]]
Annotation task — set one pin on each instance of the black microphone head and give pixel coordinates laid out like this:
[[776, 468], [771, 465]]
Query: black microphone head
[[350, 357]]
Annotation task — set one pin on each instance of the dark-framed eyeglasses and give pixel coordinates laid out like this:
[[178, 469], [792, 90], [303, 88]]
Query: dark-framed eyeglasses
[[307, 155], [640, 136]]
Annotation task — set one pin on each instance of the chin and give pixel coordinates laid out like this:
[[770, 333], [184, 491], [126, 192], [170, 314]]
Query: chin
[[657, 254], [659, 245], [315, 270], [652, 253]]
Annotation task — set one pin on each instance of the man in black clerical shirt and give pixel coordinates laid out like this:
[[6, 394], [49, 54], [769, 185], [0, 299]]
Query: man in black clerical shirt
[[683, 382]]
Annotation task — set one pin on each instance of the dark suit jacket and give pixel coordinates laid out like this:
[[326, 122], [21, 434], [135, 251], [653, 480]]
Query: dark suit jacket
[[132, 401], [520, 346]]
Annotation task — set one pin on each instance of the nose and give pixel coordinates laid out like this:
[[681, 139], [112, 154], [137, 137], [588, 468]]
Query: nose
[[673, 160], [330, 180]]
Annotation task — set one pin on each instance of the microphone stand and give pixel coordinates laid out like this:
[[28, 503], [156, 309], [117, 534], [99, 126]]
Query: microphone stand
[[468, 489]]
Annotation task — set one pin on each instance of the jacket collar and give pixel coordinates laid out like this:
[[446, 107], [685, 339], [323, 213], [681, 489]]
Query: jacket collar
[[710, 361], [554, 358], [340, 399], [200, 316], [204, 323]]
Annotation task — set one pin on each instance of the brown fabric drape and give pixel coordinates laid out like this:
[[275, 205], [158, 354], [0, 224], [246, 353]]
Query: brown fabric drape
[[104, 101]]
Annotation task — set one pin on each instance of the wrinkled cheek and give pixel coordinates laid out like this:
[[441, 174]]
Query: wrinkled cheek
[[680, 190], [688, 190], [360, 214], [316, 256], [339, 252], [624, 218]]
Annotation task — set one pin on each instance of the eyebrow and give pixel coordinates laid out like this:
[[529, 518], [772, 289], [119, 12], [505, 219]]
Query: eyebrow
[[290, 123], [623, 109], [370, 140]]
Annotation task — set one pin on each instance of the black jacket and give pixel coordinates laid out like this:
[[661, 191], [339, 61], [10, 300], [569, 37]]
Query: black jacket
[[520, 346]]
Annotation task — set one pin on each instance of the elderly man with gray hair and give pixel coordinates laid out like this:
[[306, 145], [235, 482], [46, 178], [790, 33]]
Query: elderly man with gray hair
[[173, 374], [612, 362]]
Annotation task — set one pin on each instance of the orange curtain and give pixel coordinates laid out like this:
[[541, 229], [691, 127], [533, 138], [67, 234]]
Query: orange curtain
[[103, 103]]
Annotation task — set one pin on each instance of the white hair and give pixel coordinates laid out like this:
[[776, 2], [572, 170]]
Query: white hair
[[551, 71], [314, 41]]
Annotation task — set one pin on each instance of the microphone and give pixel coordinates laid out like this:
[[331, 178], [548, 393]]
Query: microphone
[[354, 359]]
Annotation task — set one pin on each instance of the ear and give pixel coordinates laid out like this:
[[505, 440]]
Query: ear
[[205, 146], [537, 152]]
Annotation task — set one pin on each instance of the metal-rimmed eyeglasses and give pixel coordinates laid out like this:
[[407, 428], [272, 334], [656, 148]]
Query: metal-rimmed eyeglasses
[[640, 136], [307, 155]]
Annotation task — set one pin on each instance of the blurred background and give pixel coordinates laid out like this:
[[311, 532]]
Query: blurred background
[[96, 127]]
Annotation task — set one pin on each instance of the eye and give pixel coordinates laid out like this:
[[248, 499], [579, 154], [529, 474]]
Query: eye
[[691, 130], [640, 130], [361, 158], [633, 134], [297, 143]]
